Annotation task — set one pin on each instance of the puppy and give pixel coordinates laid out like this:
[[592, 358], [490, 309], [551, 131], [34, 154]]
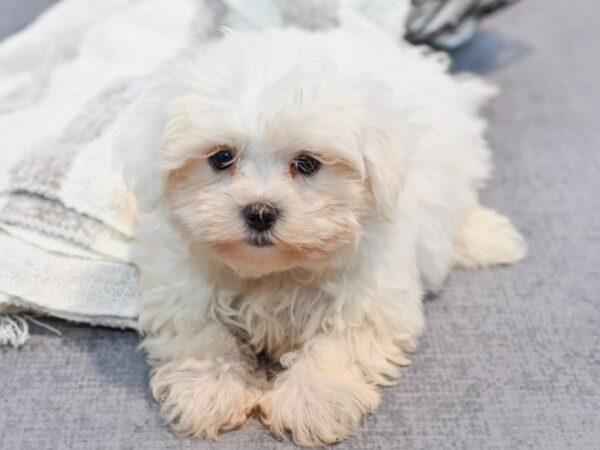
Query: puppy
[[300, 191]]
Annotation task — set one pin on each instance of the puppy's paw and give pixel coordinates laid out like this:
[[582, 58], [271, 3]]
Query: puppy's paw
[[487, 239], [315, 407], [202, 398]]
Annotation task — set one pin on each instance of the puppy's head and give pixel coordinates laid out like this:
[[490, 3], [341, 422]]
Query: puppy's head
[[267, 154]]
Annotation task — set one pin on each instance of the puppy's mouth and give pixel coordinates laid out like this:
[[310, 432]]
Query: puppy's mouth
[[260, 241]]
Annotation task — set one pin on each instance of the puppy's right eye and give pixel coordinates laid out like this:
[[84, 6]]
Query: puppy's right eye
[[222, 159]]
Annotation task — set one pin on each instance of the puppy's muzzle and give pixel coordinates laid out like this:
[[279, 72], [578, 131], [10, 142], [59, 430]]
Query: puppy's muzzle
[[260, 217]]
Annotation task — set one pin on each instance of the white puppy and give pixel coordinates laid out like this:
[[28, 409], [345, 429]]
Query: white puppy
[[300, 193]]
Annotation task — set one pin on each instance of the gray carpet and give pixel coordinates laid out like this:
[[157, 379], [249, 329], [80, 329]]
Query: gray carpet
[[511, 358]]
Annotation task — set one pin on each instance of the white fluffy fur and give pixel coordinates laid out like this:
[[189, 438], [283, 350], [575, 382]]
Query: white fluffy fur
[[337, 299]]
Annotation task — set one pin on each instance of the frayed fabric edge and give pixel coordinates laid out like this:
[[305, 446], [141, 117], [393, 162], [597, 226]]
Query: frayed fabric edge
[[14, 330]]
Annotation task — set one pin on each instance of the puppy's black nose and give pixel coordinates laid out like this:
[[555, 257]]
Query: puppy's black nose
[[260, 216]]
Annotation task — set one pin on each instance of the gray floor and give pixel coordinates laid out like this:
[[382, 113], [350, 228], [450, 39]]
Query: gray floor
[[511, 359]]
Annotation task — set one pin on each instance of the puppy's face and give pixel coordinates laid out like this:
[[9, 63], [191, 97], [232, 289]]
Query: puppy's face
[[267, 189], [271, 158]]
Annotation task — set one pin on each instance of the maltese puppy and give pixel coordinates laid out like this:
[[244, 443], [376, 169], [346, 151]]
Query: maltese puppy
[[299, 192]]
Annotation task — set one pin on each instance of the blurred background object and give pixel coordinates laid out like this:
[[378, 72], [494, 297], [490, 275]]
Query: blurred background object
[[448, 24], [445, 24]]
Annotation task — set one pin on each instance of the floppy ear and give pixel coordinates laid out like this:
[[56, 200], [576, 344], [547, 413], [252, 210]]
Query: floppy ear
[[386, 138], [385, 173], [137, 146]]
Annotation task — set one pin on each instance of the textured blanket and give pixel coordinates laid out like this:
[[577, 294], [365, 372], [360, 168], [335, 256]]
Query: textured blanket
[[66, 219]]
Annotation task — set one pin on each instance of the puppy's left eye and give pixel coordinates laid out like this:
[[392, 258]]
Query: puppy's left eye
[[222, 158], [305, 165]]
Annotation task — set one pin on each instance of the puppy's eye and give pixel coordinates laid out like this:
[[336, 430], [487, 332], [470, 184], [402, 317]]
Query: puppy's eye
[[222, 158], [305, 165]]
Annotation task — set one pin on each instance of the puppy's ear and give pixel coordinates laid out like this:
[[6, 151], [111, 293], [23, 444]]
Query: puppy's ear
[[386, 139], [137, 146], [385, 171]]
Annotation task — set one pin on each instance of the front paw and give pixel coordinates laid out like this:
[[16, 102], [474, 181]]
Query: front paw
[[202, 398], [316, 407]]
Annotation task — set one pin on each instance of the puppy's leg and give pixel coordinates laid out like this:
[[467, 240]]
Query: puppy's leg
[[321, 397], [486, 239], [206, 384], [329, 386]]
